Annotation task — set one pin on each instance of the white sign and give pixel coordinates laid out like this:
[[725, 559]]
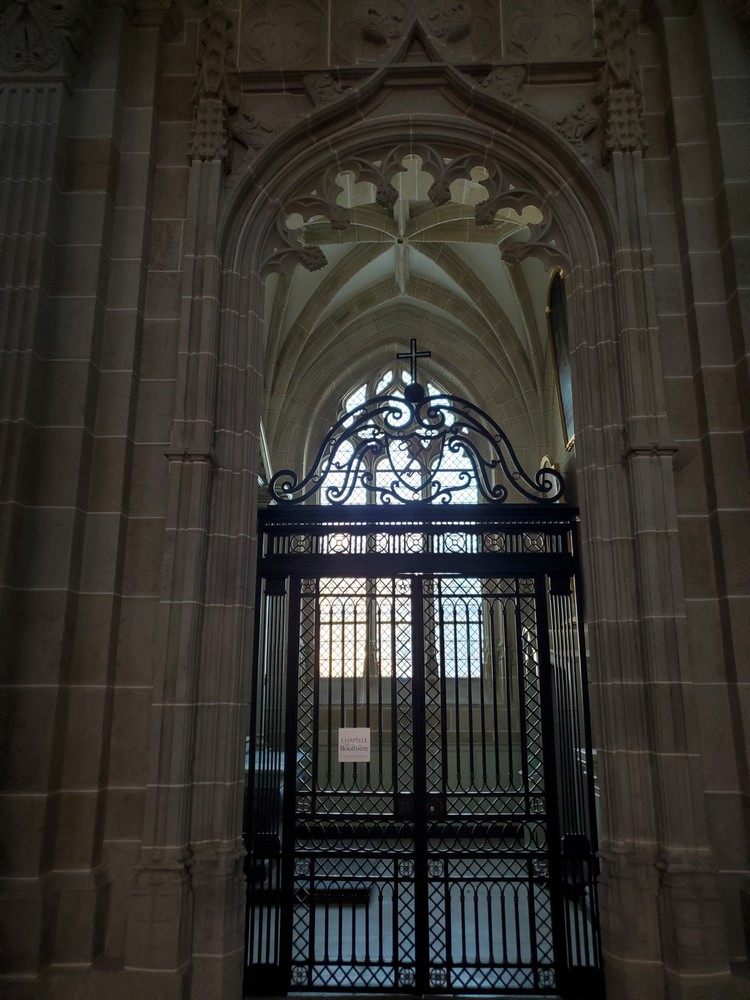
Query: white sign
[[354, 744]]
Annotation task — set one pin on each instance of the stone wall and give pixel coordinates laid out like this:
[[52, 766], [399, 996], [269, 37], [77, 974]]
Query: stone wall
[[150, 155]]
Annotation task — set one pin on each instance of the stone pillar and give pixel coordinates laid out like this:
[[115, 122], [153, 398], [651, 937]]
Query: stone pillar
[[656, 858], [32, 590], [54, 274], [704, 71], [187, 907], [160, 917]]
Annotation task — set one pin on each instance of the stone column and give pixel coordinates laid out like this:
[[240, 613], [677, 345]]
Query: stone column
[[160, 917], [703, 57], [54, 885], [77, 213], [187, 905], [655, 854]]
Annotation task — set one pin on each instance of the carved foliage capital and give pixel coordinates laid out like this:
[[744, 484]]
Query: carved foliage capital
[[624, 128], [209, 133], [41, 35], [620, 92]]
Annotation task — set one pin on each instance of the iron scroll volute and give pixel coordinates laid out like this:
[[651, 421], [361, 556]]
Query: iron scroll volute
[[414, 437]]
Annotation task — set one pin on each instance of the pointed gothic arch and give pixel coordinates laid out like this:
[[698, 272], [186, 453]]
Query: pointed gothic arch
[[623, 441], [164, 158]]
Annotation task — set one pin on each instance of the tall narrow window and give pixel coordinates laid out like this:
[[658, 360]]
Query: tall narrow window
[[558, 327]]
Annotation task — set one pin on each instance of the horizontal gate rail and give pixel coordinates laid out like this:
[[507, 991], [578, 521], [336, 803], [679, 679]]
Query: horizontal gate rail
[[375, 565], [367, 517]]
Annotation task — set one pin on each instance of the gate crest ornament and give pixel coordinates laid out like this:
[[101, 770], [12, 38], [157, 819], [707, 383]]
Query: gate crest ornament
[[413, 448]]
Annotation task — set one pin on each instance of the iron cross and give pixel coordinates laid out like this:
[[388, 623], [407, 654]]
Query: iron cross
[[412, 356]]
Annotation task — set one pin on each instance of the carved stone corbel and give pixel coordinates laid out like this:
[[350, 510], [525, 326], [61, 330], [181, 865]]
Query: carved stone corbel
[[504, 83], [324, 89], [515, 252], [289, 248], [577, 126]]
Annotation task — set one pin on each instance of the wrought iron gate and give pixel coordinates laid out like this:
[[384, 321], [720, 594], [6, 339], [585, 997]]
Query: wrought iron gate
[[420, 806]]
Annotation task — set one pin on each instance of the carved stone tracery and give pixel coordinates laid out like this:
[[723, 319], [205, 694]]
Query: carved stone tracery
[[283, 35], [39, 35], [552, 29], [322, 215]]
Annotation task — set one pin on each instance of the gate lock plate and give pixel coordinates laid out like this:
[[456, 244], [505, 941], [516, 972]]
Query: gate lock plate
[[435, 807]]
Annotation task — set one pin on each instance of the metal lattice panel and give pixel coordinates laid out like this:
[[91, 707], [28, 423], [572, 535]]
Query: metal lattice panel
[[459, 855]]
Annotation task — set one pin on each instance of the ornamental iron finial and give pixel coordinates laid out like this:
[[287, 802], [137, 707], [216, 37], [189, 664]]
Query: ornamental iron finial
[[413, 354], [414, 392]]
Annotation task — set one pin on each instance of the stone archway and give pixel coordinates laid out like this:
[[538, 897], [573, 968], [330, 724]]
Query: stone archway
[[651, 855]]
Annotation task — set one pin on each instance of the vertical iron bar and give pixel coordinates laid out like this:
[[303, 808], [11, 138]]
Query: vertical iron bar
[[550, 778], [523, 734], [469, 695], [511, 671], [481, 614], [421, 929], [494, 606], [255, 686], [289, 800], [457, 694]]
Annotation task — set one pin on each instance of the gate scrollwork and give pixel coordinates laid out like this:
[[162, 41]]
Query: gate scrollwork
[[420, 446]]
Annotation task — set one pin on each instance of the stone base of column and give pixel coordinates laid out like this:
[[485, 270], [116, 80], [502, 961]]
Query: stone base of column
[[82, 902], [160, 917], [96, 984], [217, 977], [27, 911], [629, 979], [218, 885], [58, 918], [662, 931]]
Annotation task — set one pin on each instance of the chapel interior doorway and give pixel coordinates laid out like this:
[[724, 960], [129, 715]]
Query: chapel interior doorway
[[420, 810]]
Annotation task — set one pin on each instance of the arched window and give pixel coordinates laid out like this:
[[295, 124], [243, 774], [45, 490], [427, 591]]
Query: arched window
[[456, 470], [356, 618]]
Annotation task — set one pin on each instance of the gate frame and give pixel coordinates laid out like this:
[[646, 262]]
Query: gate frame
[[279, 523]]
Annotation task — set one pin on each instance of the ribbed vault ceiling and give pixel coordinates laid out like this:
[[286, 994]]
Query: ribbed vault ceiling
[[413, 269]]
